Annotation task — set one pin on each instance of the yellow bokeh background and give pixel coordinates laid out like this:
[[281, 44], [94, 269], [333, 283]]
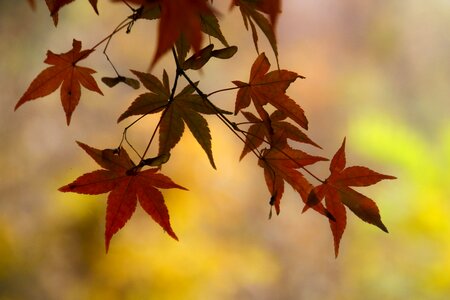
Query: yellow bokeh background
[[377, 73]]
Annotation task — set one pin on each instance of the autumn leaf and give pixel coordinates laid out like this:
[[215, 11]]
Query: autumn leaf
[[185, 108], [55, 5], [152, 102], [126, 184], [180, 17], [270, 7], [264, 88], [274, 131], [337, 194], [251, 16], [210, 25], [280, 165], [64, 72]]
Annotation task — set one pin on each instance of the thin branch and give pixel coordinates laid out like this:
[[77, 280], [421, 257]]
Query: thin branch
[[124, 25], [219, 114], [107, 44], [172, 96], [127, 4], [223, 90]]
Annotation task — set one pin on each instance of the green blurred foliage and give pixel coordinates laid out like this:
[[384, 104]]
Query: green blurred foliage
[[418, 209]]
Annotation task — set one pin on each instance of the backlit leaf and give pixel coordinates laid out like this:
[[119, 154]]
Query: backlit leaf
[[269, 87], [65, 73], [337, 194], [127, 185]]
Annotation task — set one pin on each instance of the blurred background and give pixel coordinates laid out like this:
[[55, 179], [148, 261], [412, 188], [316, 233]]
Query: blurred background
[[377, 72]]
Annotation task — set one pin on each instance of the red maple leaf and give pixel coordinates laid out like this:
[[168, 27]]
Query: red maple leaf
[[127, 184], [280, 165], [337, 194], [181, 19], [274, 131], [178, 17], [264, 88], [64, 72], [55, 5]]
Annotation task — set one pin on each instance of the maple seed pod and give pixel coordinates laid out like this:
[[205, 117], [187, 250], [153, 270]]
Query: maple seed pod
[[113, 81], [156, 161], [225, 53]]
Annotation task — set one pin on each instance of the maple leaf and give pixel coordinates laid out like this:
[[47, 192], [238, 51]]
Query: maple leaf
[[274, 131], [337, 194], [270, 7], [210, 25], [152, 102], [280, 165], [64, 72], [185, 108], [249, 10], [55, 5], [264, 88], [180, 17], [127, 185]]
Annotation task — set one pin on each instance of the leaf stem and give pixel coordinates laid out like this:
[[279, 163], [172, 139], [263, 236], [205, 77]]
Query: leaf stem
[[107, 44], [172, 96], [223, 90], [119, 28], [249, 85], [153, 136], [219, 114]]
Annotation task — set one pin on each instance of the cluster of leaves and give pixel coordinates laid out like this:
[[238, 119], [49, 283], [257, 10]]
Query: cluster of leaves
[[276, 120]]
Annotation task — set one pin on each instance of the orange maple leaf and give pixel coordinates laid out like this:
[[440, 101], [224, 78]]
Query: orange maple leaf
[[264, 88], [337, 194], [64, 72], [55, 5]]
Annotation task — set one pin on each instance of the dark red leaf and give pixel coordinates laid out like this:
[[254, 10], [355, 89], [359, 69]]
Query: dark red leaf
[[337, 193], [127, 185]]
